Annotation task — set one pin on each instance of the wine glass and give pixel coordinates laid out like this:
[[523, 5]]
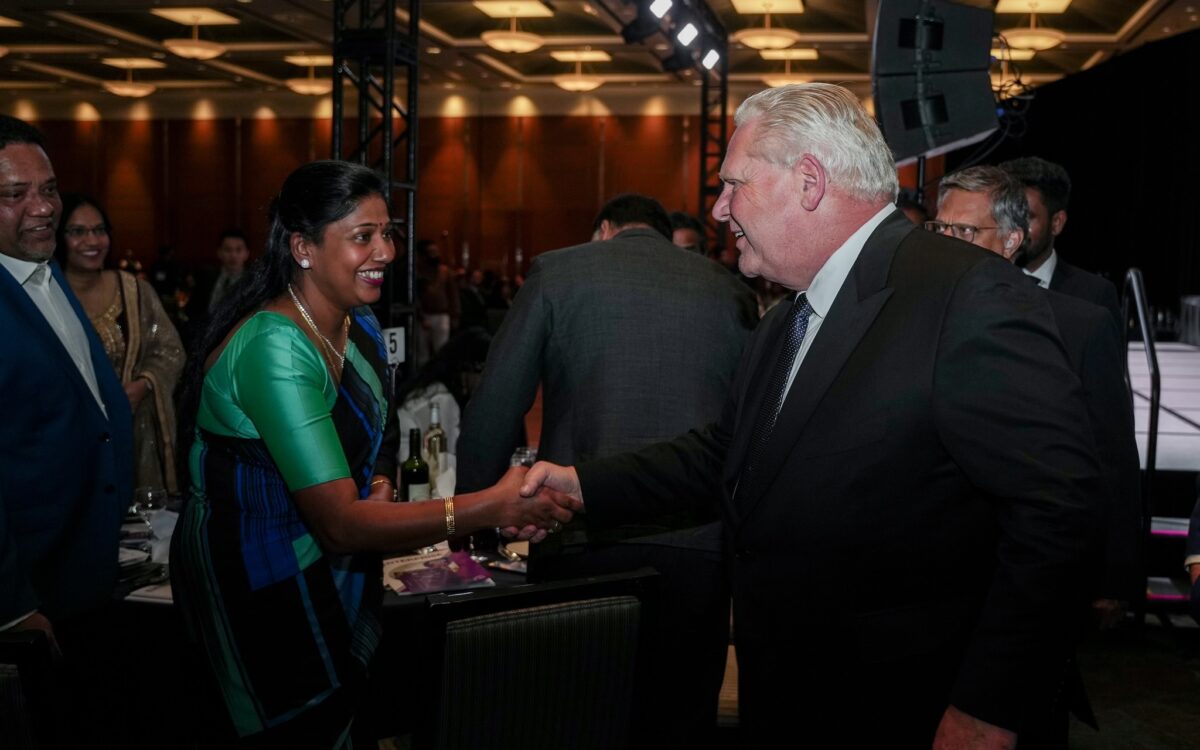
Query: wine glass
[[525, 456], [147, 501]]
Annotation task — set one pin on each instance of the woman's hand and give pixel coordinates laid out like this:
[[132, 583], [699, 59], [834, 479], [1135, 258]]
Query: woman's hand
[[136, 390], [540, 513]]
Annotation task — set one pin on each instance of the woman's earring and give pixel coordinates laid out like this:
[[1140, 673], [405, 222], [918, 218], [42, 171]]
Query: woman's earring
[[304, 263]]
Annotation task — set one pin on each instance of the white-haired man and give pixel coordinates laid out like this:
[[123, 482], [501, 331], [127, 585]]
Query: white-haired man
[[904, 512]]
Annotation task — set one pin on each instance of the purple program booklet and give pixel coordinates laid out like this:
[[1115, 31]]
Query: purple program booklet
[[439, 570]]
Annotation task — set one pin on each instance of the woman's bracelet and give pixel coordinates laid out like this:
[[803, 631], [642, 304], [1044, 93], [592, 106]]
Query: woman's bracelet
[[388, 482], [448, 504]]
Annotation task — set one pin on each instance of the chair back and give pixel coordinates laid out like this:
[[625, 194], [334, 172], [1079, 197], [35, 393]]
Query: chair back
[[550, 665]]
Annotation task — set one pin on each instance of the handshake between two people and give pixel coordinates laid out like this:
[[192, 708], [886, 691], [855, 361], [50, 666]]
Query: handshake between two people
[[539, 501]]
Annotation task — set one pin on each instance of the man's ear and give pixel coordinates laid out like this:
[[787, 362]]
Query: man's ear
[[1057, 222], [606, 230], [811, 176], [1012, 243]]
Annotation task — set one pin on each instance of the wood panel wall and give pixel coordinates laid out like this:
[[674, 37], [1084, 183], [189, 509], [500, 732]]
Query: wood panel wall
[[494, 191]]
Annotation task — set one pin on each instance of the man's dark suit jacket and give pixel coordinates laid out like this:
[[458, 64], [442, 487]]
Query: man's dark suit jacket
[[1094, 351], [66, 469], [915, 535], [1076, 282]]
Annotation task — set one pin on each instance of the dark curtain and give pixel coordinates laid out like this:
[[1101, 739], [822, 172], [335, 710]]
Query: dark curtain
[[1127, 131]]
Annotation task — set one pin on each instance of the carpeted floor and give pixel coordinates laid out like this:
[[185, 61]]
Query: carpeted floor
[[1145, 688]]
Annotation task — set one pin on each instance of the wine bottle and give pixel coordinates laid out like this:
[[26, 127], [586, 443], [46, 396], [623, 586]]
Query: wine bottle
[[435, 444], [414, 472]]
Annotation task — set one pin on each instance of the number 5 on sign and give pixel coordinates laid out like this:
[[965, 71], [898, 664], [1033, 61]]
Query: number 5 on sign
[[394, 339]]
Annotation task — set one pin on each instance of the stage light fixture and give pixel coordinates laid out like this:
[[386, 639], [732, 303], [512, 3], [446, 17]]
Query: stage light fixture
[[710, 59], [688, 34], [660, 7]]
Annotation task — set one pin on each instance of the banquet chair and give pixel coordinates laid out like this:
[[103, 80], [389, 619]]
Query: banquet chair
[[551, 665], [26, 691]]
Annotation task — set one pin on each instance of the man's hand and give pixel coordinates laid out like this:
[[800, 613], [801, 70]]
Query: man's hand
[[562, 479], [533, 514], [38, 621], [558, 483], [960, 731]]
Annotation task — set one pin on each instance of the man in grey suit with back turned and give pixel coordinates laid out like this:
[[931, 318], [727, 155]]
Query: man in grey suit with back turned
[[632, 340]]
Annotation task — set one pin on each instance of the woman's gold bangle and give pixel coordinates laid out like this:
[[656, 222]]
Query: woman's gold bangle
[[448, 504]]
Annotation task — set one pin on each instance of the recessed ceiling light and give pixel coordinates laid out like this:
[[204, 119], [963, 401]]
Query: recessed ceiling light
[[195, 16], [514, 8], [758, 7], [1012, 54], [434, 50], [304, 61], [1032, 6], [796, 53], [132, 63], [582, 55]]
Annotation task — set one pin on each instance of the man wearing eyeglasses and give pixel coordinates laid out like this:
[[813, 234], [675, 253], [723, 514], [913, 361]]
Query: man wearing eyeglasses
[[987, 207]]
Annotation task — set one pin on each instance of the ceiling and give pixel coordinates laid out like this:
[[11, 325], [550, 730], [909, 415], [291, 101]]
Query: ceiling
[[60, 45]]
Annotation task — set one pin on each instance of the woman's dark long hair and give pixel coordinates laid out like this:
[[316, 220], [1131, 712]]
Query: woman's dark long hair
[[71, 202], [313, 197]]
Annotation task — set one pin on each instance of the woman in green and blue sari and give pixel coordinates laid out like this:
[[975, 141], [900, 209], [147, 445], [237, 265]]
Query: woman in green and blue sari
[[275, 563]]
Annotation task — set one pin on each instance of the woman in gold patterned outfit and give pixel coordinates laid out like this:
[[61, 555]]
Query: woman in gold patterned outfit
[[139, 339]]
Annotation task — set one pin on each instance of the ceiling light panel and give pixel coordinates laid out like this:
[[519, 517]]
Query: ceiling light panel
[[133, 63], [514, 8], [319, 61], [1012, 54], [583, 55], [1030, 6], [774, 7], [195, 16], [800, 53]]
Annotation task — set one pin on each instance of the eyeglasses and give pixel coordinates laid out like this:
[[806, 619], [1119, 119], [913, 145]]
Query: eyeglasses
[[78, 233], [961, 231]]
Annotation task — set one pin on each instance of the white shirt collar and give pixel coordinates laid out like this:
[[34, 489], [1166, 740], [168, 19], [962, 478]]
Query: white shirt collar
[[828, 281], [20, 269], [1045, 271]]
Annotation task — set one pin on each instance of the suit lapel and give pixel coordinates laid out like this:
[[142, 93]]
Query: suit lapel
[[767, 343], [41, 330], [855, 308]]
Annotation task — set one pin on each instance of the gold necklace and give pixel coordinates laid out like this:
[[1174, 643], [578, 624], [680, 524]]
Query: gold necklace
[[330, 350]]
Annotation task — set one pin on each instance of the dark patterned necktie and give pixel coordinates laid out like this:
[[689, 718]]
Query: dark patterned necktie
[[795, 327]]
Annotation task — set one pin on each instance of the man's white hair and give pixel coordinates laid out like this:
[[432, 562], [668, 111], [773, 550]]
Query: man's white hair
[[827, 121]]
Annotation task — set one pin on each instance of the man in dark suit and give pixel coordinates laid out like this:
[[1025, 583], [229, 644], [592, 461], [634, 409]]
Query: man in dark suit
[[633, 340], [986, 196], [1048, 189], [904, 462], [66, 453]]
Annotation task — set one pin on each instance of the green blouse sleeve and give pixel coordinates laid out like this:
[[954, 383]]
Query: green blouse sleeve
[[280, 382]]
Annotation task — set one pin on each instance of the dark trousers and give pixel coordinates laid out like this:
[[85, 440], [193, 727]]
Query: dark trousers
[[691, 638]]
